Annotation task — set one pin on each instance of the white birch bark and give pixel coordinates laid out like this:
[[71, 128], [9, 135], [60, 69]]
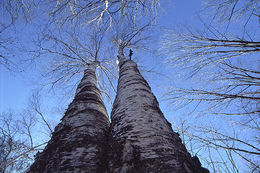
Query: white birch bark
[[79, 142], [120, 57], [141, 139]]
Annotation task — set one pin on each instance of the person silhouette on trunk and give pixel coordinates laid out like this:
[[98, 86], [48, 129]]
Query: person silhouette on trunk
[[130, 53]]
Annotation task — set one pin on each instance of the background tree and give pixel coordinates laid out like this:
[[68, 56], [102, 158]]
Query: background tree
[[221, 151], [13, 12], [18, 137], [221, 62]]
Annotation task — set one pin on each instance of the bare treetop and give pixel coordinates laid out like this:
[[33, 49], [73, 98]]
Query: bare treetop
[[100, 11], [228, 10]]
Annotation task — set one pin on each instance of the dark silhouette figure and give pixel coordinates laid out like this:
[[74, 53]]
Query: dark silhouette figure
[[130, 53]]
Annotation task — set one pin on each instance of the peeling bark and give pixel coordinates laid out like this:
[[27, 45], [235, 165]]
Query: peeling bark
[[79, 143], [141, 139]]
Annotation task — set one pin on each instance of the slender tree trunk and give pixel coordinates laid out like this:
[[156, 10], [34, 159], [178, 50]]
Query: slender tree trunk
[[79, 142], [141, 139]]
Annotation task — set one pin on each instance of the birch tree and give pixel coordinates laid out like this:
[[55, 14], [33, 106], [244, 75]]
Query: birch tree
[[141, 139], [79, 142]]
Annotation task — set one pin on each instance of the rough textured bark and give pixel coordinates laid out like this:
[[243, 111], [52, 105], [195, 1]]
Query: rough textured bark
[[141, 139], [79, 142]]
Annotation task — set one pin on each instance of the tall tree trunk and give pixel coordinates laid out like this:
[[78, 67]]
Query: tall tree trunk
[[141, 139], [79, 142]]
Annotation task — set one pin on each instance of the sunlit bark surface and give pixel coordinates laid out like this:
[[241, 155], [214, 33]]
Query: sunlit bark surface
[[79, 142], [141, 139]]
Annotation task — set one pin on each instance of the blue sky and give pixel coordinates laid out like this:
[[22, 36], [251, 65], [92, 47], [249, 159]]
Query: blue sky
[[16, 88]]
